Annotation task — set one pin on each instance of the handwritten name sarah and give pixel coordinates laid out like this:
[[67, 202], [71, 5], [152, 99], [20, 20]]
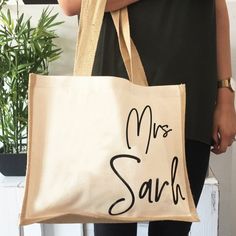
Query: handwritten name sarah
[[146, 189], [150, 187]]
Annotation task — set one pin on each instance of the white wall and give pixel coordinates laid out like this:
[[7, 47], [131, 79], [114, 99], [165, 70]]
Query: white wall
[[224, 166]]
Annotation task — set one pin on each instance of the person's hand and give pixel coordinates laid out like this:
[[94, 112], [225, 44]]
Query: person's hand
[[72, 7], [224, 123]]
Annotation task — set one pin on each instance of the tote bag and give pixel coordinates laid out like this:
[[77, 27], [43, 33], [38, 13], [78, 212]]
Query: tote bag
[[105, 149]]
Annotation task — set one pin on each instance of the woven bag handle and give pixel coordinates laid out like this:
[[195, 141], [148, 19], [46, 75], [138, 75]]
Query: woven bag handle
[[91, 16]]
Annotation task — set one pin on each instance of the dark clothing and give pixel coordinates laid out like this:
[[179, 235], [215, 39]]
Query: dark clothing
[[176, 41], [197, 157]]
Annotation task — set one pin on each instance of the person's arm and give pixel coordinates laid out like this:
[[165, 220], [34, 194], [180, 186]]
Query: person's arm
[[224, 129], [72, 7]]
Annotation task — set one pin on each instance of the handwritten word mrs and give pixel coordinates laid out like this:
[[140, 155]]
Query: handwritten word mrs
[[154, 129]]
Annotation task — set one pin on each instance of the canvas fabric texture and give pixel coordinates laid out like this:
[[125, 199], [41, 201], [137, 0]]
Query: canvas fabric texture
[[105, 149]]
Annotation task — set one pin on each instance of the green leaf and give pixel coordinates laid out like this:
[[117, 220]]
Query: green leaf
[[23, 49]]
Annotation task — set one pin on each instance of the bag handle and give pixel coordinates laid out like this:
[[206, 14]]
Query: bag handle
[[128, 50], [91, 16]]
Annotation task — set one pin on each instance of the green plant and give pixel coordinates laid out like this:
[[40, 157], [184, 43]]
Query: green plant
[[2, 3], [23, 49]]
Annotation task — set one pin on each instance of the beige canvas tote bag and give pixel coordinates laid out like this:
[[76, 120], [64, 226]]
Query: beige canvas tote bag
[[105, 149]]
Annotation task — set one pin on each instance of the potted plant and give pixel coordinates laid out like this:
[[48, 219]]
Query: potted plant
[[24, 49]]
